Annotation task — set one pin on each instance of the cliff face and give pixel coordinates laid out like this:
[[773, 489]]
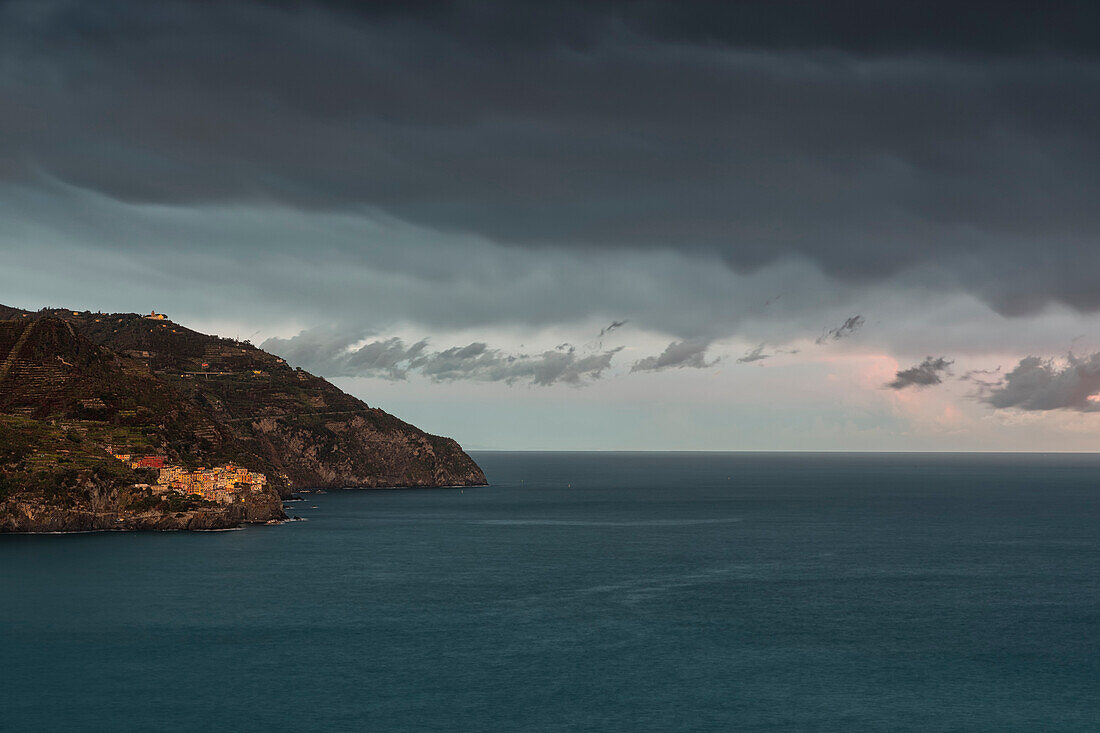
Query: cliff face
[[158, 387], [353, 451]]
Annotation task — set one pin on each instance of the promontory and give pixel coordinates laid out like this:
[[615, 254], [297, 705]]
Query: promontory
[[121, 421]]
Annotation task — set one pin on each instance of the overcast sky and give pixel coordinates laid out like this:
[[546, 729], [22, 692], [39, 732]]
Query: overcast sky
[[758, 225]]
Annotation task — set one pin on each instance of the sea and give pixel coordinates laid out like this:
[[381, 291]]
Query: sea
[[588, 592]]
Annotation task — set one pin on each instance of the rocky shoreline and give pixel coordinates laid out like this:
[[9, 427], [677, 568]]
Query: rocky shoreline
[[37, 517]]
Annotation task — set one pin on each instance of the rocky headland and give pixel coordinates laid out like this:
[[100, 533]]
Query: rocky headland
[[129, 422]]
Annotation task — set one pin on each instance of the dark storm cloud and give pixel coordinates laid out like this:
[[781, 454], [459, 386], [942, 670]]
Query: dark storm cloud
[[869, 138], [678, 354], [925, 374], [844, 330], [1045, 384], [857, 26], [333, 354]]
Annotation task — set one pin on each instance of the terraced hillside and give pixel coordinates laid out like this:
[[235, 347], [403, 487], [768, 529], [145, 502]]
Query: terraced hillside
[[68, 405]]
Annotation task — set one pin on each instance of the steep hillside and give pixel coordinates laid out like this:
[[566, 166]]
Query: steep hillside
[[300, 425], [68, 407]]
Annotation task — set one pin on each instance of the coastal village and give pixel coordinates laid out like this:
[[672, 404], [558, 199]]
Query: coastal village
[[223, 484]]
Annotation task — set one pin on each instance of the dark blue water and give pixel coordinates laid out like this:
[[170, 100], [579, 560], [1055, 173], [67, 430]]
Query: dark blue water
[[610, 592]]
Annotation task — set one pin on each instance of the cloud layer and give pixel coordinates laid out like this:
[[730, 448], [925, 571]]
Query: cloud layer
[[871, 143]]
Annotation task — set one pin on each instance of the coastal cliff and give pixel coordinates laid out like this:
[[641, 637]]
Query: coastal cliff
[[84, 395]]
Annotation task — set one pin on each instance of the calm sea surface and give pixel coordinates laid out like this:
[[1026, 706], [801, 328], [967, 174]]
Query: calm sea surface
[[604, 592]]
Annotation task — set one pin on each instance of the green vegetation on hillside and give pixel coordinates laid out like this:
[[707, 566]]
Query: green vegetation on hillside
[[59, 462]]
